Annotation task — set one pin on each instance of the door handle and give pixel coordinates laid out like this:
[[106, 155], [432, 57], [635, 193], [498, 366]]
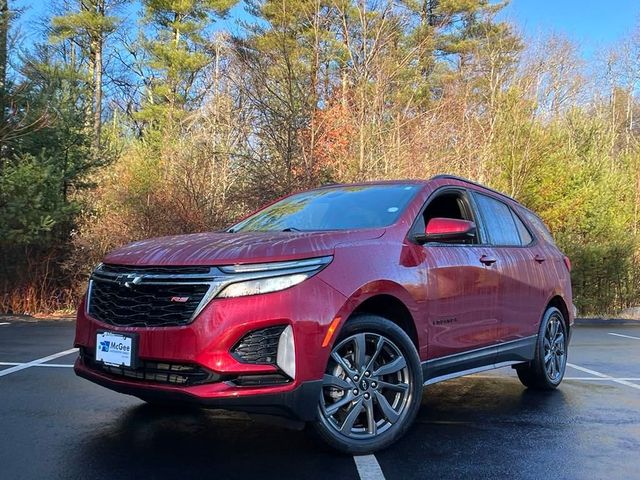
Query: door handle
[[539, 258], [487, 260]]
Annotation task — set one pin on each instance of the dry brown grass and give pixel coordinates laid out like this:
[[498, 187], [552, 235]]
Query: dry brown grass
[[39, 300]]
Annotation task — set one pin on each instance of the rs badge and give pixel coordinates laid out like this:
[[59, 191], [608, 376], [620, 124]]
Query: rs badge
[[179, 299]]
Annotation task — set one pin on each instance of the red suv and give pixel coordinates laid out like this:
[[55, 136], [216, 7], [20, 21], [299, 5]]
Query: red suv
[[334, 306]]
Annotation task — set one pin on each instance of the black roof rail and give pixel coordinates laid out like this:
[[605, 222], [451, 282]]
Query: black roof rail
[[471, 182]]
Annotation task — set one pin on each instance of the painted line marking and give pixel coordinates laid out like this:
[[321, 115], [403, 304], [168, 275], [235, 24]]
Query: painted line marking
[[598, 379], [368, 467], [5, 323], [38, 361], [598, 374], [55, 365], [624, 336]]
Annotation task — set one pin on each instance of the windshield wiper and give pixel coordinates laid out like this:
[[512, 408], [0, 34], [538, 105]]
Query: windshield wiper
[[287, 229]]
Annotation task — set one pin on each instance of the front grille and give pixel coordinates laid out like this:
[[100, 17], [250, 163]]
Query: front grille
[[152, 297], [158, 372], [144, 305], [259, 346]]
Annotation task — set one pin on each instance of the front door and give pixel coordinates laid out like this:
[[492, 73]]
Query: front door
[[462, 284], [462, 299]]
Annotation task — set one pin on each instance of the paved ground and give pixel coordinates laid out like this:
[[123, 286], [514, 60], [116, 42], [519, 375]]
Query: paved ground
[[55, 425]]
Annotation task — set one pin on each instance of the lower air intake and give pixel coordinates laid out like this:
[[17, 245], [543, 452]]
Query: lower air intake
[[259, 346]]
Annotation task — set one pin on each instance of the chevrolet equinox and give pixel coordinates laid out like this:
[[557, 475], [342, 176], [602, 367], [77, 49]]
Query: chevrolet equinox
[[334, 306]]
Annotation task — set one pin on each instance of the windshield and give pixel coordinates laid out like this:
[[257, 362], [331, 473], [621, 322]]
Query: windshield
[[333, 208]]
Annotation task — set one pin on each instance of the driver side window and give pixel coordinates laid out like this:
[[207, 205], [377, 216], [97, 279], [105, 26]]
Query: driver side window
[[451, 204]]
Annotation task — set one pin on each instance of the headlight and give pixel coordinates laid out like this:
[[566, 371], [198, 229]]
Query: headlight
[[264, 285], [256, 278]]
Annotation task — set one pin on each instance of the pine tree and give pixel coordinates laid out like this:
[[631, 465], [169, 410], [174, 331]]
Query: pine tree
[[286, 60], [175, 39], [87, 27], [4, 34]]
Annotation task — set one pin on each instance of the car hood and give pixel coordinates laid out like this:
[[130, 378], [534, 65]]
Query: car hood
[[231, 248]]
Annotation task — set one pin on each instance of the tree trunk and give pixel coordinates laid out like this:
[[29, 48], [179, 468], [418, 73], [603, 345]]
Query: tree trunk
[[97, 79], [97, 96], [4, 32]]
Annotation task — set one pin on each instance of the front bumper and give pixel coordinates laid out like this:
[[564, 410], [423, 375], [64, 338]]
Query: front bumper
[[299, 403], [207, 342]]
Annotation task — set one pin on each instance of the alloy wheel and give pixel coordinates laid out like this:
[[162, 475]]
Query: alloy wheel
[[554, 349], [367, 386]]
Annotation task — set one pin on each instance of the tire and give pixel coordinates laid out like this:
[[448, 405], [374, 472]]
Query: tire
[[370, 396], [546, 370]]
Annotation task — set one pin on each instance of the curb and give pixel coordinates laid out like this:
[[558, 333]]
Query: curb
[[30, 319]]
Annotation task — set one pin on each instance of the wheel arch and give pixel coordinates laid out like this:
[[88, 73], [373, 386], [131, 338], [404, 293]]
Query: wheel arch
[[392, 308], [558, 302]]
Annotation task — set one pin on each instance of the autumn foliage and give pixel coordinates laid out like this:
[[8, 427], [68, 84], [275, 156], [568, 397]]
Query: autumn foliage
[[196, 121]]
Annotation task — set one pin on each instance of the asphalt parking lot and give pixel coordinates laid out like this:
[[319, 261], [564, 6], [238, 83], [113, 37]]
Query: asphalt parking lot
[[55, 425]]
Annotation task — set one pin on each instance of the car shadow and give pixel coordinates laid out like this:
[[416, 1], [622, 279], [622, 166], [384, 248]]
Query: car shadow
[[490, 427], [502, 426], [165, 442]]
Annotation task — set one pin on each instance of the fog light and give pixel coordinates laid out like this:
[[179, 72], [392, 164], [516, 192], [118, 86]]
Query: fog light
[[286, 358]]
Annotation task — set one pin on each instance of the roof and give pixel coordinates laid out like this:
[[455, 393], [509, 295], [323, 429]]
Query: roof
[[476, 184], [425, 182]]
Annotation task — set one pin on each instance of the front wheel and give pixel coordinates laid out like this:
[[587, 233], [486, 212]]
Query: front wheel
[[372, 387], [546, 370]]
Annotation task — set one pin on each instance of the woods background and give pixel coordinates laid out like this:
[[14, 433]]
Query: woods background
[[124, 120]]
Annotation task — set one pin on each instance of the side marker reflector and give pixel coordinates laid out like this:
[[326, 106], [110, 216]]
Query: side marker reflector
[[332, 328]]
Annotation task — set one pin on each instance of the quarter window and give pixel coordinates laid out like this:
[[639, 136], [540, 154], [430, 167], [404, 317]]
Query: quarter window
[[498, 220], [538, 225], [525, 236]]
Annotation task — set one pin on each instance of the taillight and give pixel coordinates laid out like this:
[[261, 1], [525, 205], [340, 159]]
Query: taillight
[[567, 262]]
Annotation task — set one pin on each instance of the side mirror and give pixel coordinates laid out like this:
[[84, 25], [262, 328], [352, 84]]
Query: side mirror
[[447, 230]]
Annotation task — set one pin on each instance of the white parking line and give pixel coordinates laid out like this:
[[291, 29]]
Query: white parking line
[[368, 467], [601, 375], [38, 361], [624, 336], [55, 365], [598, 379], [5, 323]]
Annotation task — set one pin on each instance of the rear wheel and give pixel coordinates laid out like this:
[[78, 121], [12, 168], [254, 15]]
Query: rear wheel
[[546, 370], [372, 387]]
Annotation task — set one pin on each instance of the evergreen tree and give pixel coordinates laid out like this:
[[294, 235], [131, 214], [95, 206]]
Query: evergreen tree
[[4, 35], [280, 62], [87, 26], [175, 38]]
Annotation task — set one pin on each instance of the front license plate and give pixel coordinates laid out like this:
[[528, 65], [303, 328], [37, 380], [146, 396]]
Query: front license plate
[[115, 349]]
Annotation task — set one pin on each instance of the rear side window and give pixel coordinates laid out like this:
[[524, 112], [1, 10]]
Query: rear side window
[[499, 221]]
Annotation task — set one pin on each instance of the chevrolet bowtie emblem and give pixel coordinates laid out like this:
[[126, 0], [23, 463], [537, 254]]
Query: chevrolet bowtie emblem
[[129, 280]]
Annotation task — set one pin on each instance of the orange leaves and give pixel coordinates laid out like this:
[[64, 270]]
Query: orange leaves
[[336, 130], [327, 141]]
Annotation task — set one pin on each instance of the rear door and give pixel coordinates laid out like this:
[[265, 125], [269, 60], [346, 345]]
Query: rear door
[[522, 291]]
